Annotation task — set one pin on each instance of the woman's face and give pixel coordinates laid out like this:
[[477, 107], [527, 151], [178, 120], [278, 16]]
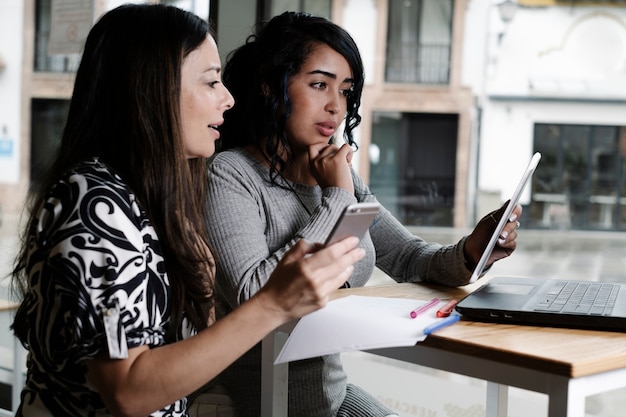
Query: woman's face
[[318, 94], [203, 100]]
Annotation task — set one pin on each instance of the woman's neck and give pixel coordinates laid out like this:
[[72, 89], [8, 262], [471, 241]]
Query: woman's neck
[[298, 171]]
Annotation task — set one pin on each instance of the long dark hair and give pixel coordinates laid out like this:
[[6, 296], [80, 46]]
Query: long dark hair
[[257, 75], [125, 111]]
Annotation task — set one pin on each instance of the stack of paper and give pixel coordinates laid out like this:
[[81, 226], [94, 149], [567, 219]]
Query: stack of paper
[[357, 323]]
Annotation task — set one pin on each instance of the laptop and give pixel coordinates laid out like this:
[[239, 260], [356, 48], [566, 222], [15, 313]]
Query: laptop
[[543, 301], [551, 302]]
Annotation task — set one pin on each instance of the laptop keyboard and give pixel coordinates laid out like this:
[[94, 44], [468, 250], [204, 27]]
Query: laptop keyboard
[[580, 298]]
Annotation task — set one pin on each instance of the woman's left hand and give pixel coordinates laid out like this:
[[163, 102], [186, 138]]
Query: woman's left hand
[[479, 238], [330, 165]]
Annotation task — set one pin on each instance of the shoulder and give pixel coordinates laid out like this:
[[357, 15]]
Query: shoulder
[[89, 175], [96, 170], [236, 156], [91, 194], [92, 182], [237, 163]]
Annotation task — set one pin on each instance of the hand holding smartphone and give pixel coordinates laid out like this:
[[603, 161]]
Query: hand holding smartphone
[[354, 221]]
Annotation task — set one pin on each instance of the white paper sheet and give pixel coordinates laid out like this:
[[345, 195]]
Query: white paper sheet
[[357, 323]]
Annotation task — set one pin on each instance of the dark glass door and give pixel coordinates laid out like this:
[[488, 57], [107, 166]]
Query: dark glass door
[[413, 166]]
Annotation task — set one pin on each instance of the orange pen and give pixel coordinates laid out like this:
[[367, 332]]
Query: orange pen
[[446, 310]]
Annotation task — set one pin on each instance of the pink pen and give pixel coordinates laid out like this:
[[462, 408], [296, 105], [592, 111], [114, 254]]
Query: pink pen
[[419, 310]]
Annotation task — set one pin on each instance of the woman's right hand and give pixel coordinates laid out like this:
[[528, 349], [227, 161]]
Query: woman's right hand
[[307, 275]]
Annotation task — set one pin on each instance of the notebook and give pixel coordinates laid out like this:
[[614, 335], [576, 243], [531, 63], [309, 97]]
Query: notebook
[[543, 301]]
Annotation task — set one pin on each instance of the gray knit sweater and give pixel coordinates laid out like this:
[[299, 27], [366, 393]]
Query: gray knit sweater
[[254, 222]]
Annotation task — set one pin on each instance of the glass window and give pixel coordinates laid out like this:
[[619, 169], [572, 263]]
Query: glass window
[[413, 166], [580, 182], [45, 62], [419, 40], [47, 123]]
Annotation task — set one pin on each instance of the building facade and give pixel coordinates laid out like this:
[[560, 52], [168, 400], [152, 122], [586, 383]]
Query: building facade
[[457, 99], [416, 116], [552, 80]]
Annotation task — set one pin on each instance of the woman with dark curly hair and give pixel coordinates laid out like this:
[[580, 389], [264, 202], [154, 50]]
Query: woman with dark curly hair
[[280, 178]]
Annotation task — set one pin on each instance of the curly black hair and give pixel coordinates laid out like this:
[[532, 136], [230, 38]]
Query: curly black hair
[[257, 75]]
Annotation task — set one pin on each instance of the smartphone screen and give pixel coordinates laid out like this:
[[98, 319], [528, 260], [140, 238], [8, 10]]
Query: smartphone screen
[[354, 221]]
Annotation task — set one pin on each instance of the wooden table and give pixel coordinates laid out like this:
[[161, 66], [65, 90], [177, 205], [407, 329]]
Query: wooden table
[[17, 380], [566, 364]]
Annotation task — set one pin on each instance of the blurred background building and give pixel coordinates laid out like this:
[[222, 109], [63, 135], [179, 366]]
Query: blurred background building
[[459, 94]]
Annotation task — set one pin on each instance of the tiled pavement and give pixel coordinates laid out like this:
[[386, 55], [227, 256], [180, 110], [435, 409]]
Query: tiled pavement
[[579, 255]]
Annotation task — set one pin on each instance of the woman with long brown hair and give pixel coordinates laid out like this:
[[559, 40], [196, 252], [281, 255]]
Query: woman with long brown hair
[[114, 269]]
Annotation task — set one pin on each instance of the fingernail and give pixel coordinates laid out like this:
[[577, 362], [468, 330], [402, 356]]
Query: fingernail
[[513, 218]]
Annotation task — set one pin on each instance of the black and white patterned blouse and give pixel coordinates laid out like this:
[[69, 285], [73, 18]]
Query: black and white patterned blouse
[[98, 285]]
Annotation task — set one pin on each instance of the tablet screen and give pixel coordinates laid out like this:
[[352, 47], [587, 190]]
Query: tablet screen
[[507, 213]]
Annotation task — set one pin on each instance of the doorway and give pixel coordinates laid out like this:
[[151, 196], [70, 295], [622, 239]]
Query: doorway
[[413, 166]]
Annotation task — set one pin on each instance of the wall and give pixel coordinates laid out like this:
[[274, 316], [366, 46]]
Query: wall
[[11, 13], [557, 64], [232, 32]]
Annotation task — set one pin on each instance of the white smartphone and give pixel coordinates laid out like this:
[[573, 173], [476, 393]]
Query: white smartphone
[[354, 221]]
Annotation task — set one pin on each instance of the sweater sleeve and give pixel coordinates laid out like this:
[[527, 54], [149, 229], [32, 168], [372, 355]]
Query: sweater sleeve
[[253, 223], [406, 257]]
